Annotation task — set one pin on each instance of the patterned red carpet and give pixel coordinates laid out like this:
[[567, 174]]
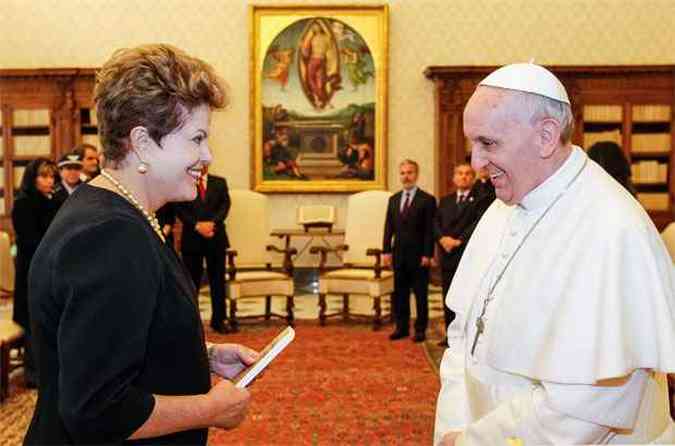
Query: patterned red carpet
[[338, 385], [342, 384]]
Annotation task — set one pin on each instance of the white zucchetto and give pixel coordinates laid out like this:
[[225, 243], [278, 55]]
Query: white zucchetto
[[529, 78]]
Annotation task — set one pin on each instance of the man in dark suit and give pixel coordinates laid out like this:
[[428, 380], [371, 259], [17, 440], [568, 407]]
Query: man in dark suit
[[70, 169], [204, 237], [457, 216], [484, 189], [409, 218]]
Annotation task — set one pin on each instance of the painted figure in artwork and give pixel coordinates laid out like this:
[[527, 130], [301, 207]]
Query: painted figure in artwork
[[342, 34], [320, 64], [356, 66], [312, 128], [358, 126], [349, 157], [279, 71], [280, 158], [357, 160]]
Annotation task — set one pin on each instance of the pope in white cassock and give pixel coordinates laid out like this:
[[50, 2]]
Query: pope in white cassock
[[565, 295]]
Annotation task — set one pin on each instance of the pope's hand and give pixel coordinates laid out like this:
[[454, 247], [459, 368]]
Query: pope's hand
[[227, 360], [449, 439]]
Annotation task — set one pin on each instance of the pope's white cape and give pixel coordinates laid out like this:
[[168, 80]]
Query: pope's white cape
[[590, 295]]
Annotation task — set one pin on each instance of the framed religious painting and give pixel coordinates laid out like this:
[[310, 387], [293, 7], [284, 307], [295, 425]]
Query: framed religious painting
[[318, 98]]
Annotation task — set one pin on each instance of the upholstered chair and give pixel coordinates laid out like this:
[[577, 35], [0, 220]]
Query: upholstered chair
[[6, 266], [362, 274], [11, 334], [254, 270], [11, 337]]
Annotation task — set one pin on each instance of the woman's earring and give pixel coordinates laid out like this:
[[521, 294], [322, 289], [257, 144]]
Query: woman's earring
[[142, 165]]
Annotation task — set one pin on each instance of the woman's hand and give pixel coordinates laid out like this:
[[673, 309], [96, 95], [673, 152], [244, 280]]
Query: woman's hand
[[224, 406], [227, 405], [227, 360]]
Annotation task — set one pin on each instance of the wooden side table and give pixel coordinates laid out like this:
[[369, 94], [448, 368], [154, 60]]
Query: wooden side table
[[287, 234]]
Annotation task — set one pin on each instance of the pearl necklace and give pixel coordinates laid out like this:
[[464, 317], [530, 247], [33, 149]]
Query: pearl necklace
[[151, 218]]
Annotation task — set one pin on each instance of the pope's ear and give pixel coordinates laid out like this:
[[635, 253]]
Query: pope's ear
[[139, 138], [548, 136]]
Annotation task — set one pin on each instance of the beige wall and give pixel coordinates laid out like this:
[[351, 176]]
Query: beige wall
[[83, 33]]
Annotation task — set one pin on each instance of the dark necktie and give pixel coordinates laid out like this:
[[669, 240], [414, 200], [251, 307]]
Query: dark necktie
[[406, 204], [461, 198]]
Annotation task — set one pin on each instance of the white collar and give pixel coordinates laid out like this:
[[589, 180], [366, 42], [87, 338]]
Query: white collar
[[411, 192], [543, 194], [68, 188]]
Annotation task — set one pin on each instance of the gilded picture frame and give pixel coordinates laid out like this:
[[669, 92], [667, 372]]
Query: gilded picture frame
[[318, 98]]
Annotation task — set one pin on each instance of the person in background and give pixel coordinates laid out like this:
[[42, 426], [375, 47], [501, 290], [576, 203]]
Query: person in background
[[483, 188], [204, 238], [408, 247], [565, 294], [610, 157], [70, 169], [121, 350], [90, 161], [33, 211], [454, 222]]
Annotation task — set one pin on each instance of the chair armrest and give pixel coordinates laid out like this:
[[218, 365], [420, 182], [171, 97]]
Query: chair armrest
[[232, 270], [289, 251], [288, 254], [378, 260], [324, 250]]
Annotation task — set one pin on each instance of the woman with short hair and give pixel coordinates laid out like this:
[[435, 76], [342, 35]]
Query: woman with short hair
[[33, 211], [117, 327]]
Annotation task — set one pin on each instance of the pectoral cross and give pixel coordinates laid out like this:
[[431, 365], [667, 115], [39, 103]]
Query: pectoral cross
[[480, 327]]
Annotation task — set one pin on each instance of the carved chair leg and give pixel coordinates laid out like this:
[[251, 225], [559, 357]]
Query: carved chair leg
[[268, 307], [377, 321], [322, 309], [290, 318], [234, 323], [345, 307]]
